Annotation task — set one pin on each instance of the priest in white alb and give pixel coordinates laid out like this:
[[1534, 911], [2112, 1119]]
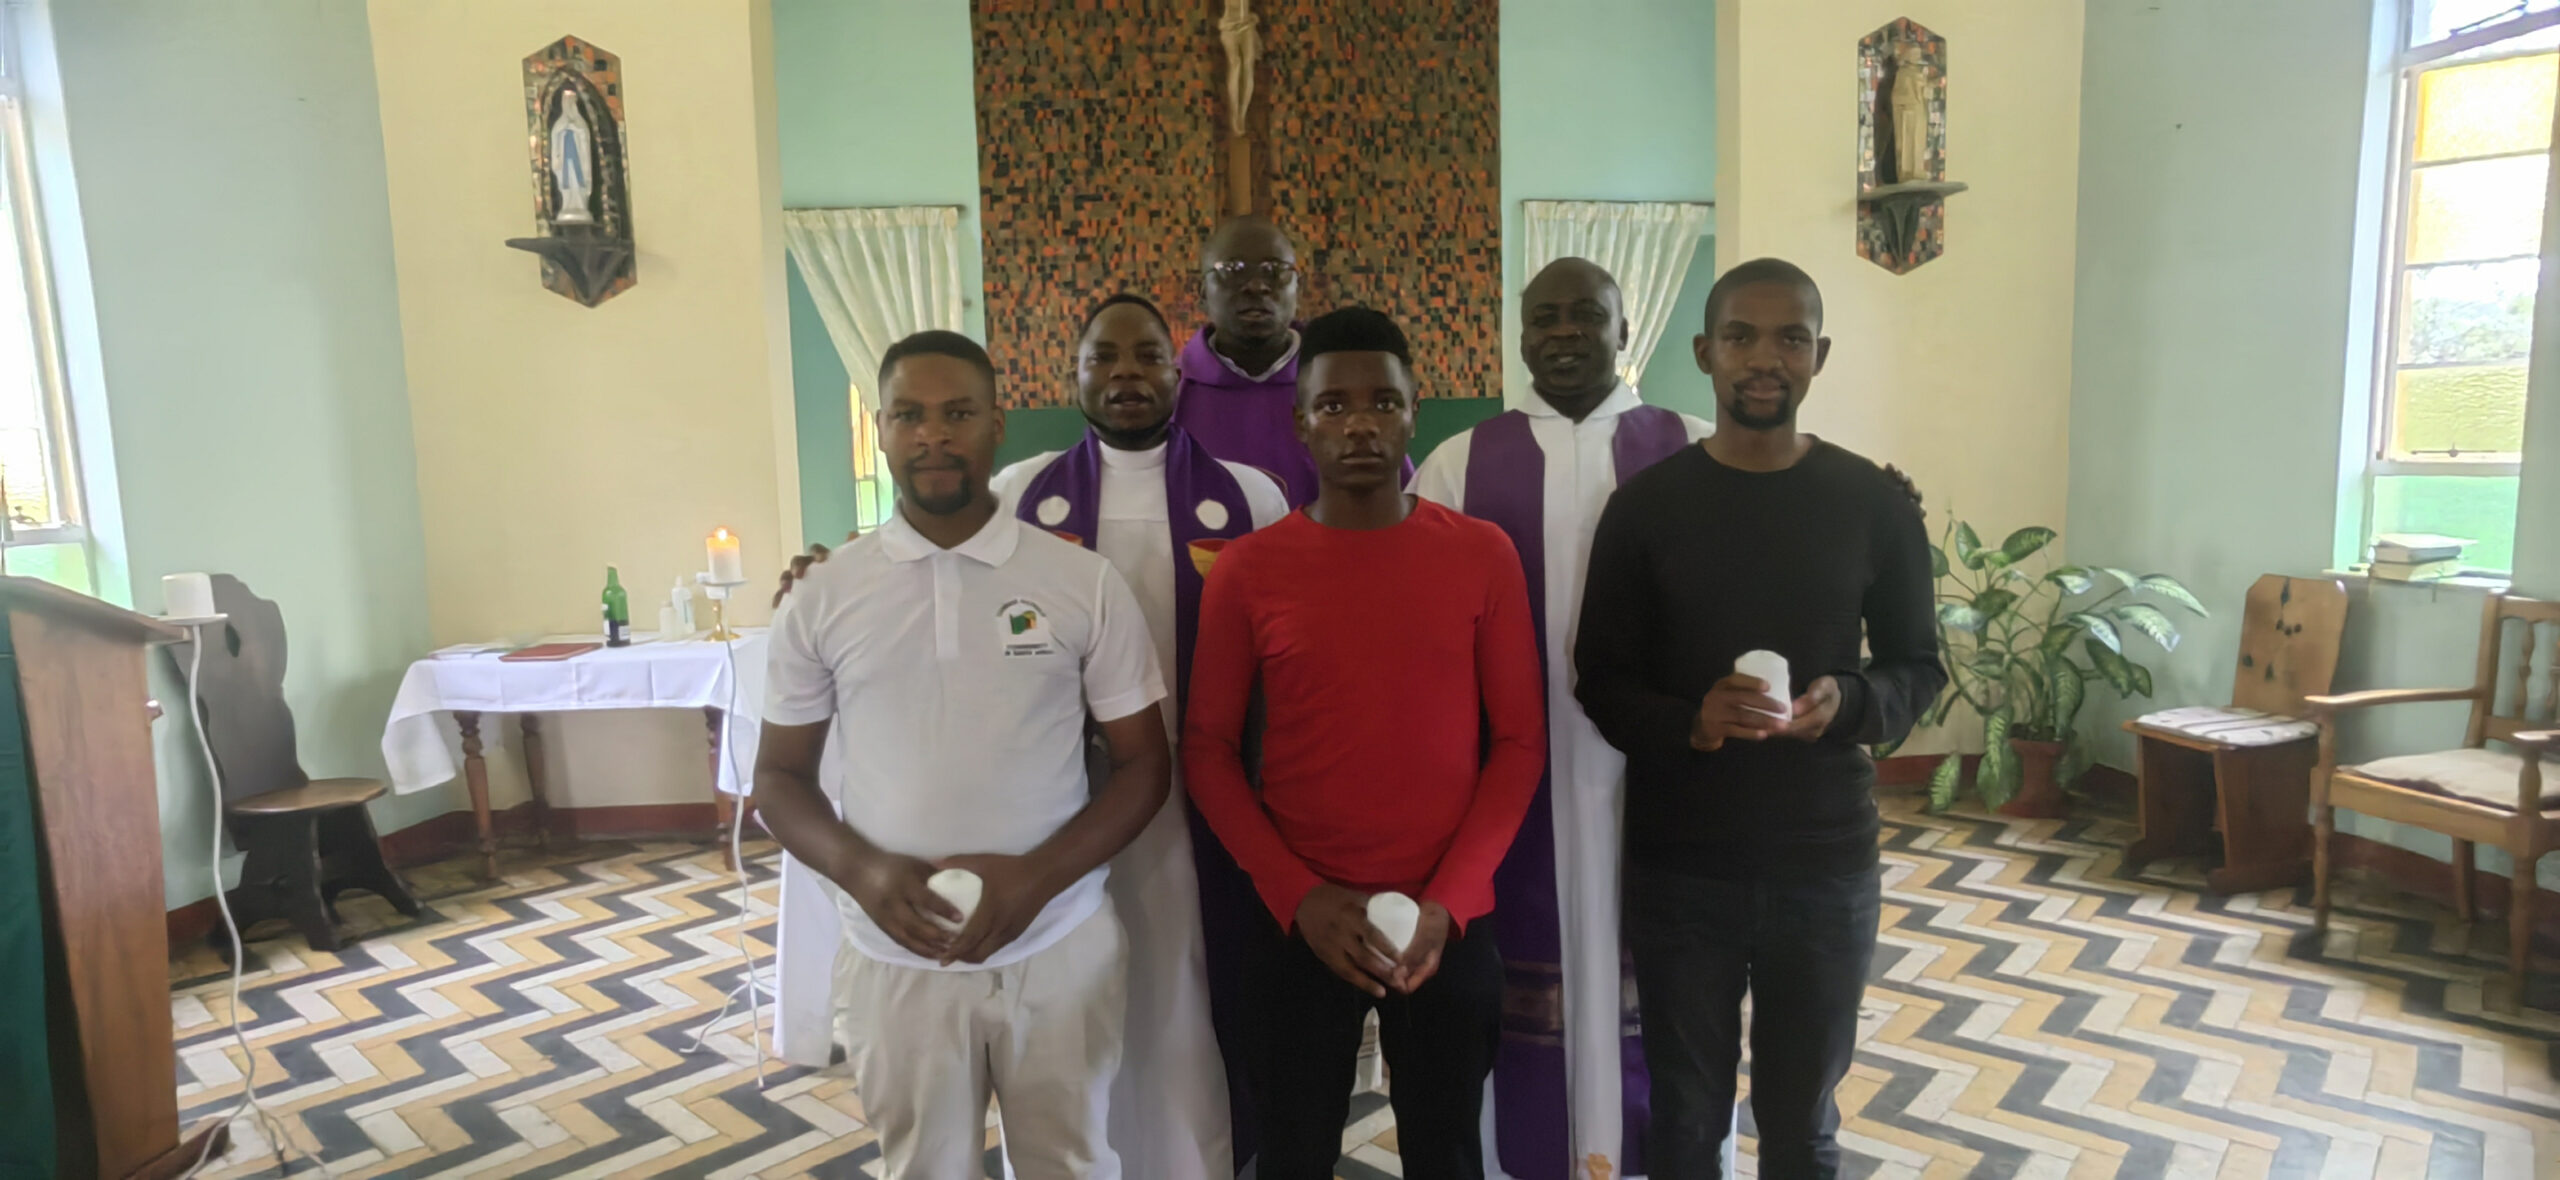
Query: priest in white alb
[[1568, 1090]]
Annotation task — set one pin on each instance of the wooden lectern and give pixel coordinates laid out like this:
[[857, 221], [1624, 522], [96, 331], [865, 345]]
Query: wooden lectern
[[77, 791]]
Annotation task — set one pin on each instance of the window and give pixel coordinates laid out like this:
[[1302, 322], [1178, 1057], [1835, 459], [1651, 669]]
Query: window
[[38, 476], [871, 488], [2472, 160]]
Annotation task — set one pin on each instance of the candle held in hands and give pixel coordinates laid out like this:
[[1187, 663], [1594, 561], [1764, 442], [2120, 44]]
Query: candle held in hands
[[1771, 667], [961, 888], [727, 564], [1395, 916]]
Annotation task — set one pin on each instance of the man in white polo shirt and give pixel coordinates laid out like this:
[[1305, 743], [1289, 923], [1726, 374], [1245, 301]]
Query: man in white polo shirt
[[964, 652]]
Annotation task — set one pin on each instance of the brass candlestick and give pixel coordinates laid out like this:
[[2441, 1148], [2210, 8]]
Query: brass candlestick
[[719, 595]]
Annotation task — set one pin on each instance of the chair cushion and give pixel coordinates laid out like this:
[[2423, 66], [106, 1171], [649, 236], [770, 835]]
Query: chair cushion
[[2230, 725], [320, 794], [2486, 777]]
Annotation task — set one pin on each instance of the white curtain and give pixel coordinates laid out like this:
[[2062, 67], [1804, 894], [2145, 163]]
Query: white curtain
[[1645, 245], [878, 276]]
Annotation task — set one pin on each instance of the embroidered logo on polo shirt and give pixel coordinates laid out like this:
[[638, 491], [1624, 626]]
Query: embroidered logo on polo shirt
[[1022, 628]]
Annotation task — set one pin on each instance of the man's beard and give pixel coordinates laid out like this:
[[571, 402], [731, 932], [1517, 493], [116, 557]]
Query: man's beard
[[943, 505], [1738, 408], [1131, 438]]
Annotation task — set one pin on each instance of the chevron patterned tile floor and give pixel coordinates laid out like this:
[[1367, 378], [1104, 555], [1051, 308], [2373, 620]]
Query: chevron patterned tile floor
[[2035, 1012]]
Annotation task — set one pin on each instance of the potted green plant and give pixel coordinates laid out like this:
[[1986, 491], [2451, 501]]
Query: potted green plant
[[2023, 649]]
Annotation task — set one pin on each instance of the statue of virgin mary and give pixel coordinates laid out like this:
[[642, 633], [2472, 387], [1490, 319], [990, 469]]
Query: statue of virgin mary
[[572, 161]]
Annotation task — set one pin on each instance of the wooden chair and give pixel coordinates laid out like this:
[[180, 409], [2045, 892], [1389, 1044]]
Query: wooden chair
[[306, 840], [2472, 793], [2245, 768]]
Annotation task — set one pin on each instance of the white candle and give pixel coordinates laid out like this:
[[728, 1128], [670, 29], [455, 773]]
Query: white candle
[[961, 888], [727, 565], [1771, 667], [187, 596], [1395, 916]]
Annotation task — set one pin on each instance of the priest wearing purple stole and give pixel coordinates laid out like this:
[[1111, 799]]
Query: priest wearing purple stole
[[1568, 1090], [1146, 495]]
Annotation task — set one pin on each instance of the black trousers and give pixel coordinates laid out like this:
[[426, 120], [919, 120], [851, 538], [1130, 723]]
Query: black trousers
[[1801, 948], [1438, 1043]]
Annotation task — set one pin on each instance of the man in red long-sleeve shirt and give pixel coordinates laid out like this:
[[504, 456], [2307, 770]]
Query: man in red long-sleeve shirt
[[1386, 634]]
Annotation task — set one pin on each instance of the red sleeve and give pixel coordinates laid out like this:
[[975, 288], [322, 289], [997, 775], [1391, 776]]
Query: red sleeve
[[1507, 676], [1224, 665]]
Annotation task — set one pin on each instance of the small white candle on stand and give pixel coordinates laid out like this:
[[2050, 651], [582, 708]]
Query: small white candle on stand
[[187, 596], [727, 564]]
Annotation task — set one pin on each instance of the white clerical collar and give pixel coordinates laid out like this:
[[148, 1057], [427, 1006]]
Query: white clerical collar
[[1620, 400], [1150, 459], [1267, 374]]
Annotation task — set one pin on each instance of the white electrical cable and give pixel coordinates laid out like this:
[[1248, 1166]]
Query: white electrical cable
[[239, 958], [752, 986]]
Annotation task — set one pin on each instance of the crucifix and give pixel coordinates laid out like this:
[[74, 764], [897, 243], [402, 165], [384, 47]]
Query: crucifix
[[1237, 31]]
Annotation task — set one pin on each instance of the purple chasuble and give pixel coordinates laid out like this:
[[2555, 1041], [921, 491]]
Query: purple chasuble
[[1242, 420], [1228, 904], [1506, 483]]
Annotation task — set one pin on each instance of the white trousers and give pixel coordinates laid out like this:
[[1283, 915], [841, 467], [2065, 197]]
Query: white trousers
[[1042, 1036], [1169, 1105]]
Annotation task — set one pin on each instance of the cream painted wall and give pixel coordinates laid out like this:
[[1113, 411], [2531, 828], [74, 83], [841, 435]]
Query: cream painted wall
[[1960, 371], [555, 439]]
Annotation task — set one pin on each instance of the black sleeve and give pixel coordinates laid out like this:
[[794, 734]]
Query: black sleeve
[[1882, 701], [1617, 627]]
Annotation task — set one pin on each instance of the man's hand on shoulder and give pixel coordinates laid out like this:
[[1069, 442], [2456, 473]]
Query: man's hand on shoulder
[[799, 567]]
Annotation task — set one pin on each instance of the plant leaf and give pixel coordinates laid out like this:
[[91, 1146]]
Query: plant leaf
[[2112, 667], [2147, 619], [2141, 678], [2100, 630], [1994, 602], [2058, 640], [1938, 710], [2073, 764], [2069, 690], [2072, 579], [2169, 588], [1937, 562], [1968, 547], [1957, 616], [1995, 781], [2127, 577], [2025, 542], [1988, 664], [1943, 783]]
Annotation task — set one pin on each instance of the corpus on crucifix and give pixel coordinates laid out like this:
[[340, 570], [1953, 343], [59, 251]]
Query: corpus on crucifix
[[1237, 31]]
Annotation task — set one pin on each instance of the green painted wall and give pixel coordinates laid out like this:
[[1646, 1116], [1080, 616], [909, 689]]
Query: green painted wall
[[875, 107], [242, 313], [2226, 272], [1611, 100]]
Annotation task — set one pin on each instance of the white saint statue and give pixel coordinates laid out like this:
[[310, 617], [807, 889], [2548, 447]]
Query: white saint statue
[[1244, 44], [572, 161], [1910, 105]]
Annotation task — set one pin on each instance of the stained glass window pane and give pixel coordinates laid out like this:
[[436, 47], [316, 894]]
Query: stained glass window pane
[[2477, 210], [2475, 410], [2487, 109], [2468, 313]]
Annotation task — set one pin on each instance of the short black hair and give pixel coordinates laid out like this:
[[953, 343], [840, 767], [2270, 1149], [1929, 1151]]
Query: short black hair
[[1132, 299], [1352, 329], [1756, 272], [938, 342]]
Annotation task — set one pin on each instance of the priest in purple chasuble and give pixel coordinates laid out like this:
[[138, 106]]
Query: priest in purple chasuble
[[1568, 1089], [1146, 495], [1240, 370]]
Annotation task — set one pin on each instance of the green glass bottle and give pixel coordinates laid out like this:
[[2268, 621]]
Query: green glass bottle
[[617, 610]]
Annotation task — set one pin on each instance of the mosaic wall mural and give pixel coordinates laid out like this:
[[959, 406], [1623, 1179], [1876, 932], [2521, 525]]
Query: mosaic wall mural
[[1100, 162]]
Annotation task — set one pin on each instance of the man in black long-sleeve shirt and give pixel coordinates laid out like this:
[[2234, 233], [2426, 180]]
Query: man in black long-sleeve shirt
[[1751, 825]]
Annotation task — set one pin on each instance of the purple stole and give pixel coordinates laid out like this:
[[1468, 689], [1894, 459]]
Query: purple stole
[[1506, 485], [1228, 904]]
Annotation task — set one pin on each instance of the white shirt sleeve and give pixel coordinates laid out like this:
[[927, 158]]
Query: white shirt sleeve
[[1008, 484], [799, 683], [1442, 478], [1699, 428], [1262, 497], [1120, 673]]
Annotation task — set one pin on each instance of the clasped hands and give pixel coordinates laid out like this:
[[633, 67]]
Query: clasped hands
[[891, 888], [1739, 708], [1335, 923]]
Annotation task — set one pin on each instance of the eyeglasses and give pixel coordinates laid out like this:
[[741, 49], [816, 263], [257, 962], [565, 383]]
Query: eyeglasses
[[1236, 274]]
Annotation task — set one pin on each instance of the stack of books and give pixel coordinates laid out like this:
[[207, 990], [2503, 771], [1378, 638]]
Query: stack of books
[[2417, 557]]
